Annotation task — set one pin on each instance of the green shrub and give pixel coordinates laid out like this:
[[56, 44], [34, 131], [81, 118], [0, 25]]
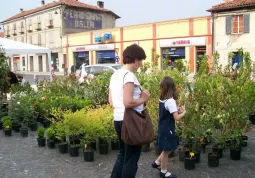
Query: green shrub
[[40, 132]]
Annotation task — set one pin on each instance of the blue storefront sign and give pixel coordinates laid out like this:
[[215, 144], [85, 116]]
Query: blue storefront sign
[[107, 36], [174, 52], [81, 20]]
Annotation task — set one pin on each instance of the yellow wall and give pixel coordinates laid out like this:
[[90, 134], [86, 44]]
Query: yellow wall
[[173, 29], [139, 32], [200, 26], [79, 39]]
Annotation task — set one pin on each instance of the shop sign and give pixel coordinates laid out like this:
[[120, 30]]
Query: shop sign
[[101, 47], [196, 41], [108, 36], [98, 38]]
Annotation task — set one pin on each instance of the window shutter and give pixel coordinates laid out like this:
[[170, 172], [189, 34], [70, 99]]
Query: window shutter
[[228, 25], [246, 23]]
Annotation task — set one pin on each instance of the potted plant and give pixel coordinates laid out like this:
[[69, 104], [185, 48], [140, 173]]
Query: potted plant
[[51, 136], [61, 137], [235, 149], [7, 127], [244, 140], [213, 159], [190, 161], [24, 129], [41, 139]]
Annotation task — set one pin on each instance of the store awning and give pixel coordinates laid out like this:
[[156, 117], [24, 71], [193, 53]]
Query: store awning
[[12, 47]]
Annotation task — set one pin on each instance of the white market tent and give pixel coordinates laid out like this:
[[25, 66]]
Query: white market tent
[[15, 47]]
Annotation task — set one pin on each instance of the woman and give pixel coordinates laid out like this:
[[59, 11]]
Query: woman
[[125, 92]]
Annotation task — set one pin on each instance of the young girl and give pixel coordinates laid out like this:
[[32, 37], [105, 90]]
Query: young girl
[[168, 113]]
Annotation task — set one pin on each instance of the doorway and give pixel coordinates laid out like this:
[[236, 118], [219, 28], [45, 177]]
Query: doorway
[[31, 63], [200, 52], [40, 61]]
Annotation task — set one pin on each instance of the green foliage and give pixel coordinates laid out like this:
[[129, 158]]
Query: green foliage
[[4, 83], [180, 65], [40, 132], [7, 124], [5, 118], [52, 132], [144, 67]]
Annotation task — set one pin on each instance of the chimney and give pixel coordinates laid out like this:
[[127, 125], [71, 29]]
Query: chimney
[[21, 10], [43, 3], [100, 4]]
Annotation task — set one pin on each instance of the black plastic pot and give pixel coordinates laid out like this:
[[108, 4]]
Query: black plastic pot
[[235, 154], [46, 123], [63, 148], [50, 144], [182, 154], [24, 132], [103, 149], [1, 124], [189, 164], [252, 119], [146, 147], [93, 145], [197, 155], [41, 142], [73, 151], [7, 132], [218, 151], [33, 127], [88, 156], [213, 160], [16, 127], [115, 145], [244, 141]]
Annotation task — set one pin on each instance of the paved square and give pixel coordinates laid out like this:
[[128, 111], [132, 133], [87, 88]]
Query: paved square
[[22, 158]]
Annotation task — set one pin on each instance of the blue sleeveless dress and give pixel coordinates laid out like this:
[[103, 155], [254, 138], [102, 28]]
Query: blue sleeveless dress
[[167, 140]]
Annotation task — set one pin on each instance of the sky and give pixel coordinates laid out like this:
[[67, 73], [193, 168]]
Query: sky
[[131, 11]]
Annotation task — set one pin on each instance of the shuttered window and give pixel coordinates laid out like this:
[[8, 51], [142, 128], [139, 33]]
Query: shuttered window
[[238, 24]]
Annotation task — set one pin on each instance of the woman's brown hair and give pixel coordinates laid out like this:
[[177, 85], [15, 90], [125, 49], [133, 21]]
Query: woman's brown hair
[[168, 89]]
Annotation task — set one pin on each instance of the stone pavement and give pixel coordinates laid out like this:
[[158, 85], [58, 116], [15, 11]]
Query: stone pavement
[[22, 158]]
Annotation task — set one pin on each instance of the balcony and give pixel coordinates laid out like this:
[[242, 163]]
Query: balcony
[[37, 26], [50, 24], [7, 33], [14, 32], [29, 28]]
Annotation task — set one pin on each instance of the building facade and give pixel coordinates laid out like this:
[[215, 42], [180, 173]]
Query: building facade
[[177, 39], [48, 25], [233, 28]]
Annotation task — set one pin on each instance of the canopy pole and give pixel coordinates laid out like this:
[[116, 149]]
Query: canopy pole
[[49, 59]]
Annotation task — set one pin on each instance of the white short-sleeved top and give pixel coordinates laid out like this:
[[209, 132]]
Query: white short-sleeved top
[[170, 105], [116, 86]]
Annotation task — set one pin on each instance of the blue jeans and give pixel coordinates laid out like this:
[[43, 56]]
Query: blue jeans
[[127, 158]]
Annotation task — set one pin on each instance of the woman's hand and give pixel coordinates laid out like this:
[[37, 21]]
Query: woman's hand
[[182, 109], [145, 95]]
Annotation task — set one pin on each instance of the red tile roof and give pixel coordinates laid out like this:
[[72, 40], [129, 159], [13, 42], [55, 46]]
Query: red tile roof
[[72, 3], [1, 34], [234, 4]]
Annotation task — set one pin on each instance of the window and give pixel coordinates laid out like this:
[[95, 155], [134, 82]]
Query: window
[[30, 39], [22, 39], [23, 62], [22, 24], [51, 38], [237, 24], [8, 27], [30, 21], [39, 39], [14, 26], [38, 19], [50, 17]]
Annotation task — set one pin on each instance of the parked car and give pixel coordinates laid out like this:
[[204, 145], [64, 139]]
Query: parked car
[[91, 71]]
